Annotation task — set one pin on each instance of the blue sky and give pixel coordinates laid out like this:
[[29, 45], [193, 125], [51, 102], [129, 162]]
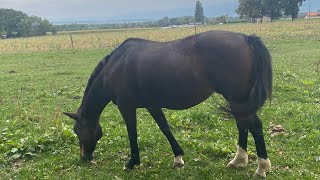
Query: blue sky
[[55, 10]]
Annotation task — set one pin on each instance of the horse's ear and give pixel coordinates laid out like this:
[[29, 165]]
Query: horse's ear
[[72, 115]]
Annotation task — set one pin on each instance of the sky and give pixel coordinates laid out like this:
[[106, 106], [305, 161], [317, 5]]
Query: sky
[[55, 10], [75, 9]]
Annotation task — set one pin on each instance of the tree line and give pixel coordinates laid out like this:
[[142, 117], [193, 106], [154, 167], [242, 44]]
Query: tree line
[[163, 22], [18, 24], [274, 9]]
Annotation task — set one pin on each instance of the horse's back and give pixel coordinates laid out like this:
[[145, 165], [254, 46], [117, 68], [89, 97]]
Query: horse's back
[[180, 74]]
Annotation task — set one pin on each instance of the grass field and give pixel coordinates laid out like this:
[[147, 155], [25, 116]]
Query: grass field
[[106, 39], [44, 76]]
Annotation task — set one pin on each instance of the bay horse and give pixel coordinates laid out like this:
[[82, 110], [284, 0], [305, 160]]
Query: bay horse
[[178, 75]]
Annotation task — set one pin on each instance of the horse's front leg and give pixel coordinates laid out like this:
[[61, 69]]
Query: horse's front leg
[[161, 120], [129, 116]]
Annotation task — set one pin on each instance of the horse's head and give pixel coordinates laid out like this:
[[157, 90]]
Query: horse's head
[[88, 134]]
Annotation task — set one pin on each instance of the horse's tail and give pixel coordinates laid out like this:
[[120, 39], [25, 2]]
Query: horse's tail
[[261, 79]]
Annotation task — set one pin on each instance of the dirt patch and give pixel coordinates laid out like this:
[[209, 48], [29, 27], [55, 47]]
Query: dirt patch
[[276, 130], [16, 166]]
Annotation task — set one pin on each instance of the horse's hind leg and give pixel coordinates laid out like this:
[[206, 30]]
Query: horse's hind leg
[[161, 120], [254, 125], [263, 160], [241, 158]]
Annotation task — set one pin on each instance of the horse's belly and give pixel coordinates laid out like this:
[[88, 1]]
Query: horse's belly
[[179, 105], [178, 100]]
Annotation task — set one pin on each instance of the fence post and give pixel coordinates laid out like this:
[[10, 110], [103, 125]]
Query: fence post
[[71, 40]]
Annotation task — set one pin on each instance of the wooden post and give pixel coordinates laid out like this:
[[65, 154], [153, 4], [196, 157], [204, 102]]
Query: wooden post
[[71, 40], [260, 29]]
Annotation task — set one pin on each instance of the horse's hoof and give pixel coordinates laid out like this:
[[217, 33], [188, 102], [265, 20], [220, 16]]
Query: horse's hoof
[[130, 166], [126, 168], [231, 165], [93, 162], [240, 160], [260, 175], [178, 165], [178, 162], [237, 163], [263, 166]]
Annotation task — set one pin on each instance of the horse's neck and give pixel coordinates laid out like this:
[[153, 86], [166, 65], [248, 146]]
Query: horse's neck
[[96, 99]]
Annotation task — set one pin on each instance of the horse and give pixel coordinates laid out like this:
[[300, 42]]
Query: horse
[[178, 75]]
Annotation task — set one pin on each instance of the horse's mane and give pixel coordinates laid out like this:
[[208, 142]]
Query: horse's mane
[[95, 72], [98, 69]]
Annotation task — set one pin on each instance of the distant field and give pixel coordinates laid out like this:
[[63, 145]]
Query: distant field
[[42, 77], [106, 39]]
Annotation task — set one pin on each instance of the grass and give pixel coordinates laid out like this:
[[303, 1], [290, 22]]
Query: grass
[[37, 142]]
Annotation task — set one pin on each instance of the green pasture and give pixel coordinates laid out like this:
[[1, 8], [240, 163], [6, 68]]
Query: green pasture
[[37, 141]]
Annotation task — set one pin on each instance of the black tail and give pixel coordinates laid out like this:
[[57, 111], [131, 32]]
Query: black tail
[[261, 80]]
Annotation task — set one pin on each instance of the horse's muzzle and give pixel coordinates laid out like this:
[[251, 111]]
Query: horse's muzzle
[[87, 157], [84, 156]]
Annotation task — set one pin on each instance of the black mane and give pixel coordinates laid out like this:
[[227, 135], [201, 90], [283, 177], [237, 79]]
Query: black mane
[[99, 67]]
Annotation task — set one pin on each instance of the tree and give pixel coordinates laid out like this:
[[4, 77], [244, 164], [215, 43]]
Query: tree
[[45, 26], [222, 19], [24, 28], [198, 15], [259, 8], [18, 24], [175, 21], [187, 19], [291, 7], [252, 9], [164, 22], [10, 20], [272, 8]]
